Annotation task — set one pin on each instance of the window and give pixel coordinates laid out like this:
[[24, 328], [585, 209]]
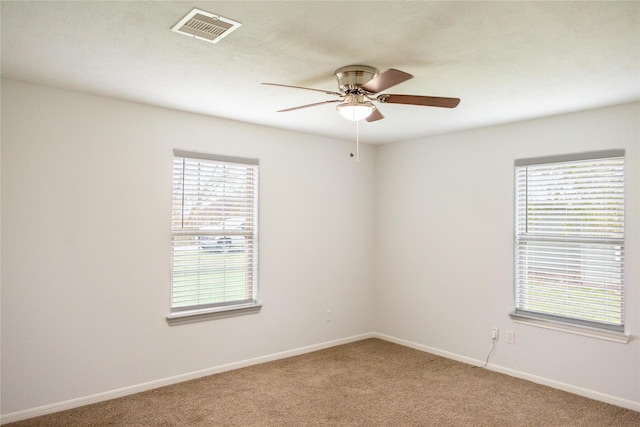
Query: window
[[214, 235], [569, 239]]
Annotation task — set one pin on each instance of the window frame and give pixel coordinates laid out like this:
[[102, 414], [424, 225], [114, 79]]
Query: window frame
[[554, 321], [201, 222]]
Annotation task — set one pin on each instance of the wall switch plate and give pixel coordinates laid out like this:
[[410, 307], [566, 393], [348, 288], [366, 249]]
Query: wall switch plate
[[329, 316], [511, 337]]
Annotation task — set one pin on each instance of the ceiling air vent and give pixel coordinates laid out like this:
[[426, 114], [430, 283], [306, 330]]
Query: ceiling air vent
[[205, 26]]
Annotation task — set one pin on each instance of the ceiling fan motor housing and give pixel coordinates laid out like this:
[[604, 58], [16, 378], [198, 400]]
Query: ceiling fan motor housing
[[351, 77]]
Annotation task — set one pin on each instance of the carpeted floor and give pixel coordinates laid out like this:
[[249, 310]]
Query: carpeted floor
[[366, 383]]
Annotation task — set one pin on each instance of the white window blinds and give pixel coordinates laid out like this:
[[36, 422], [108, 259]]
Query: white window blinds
[[214, 232], [569, 231]]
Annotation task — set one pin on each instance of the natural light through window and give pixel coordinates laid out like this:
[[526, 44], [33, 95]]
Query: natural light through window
[[214, 233], [569, 239]]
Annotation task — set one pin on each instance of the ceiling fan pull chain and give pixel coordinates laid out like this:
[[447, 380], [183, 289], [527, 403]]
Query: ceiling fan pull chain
[[356, 157]]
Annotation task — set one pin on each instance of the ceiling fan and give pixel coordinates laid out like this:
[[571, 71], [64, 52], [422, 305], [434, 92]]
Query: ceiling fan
[[359, 84]]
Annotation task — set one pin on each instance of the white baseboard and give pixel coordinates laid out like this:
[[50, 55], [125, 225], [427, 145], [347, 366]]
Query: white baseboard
[[602, 397], [99, 397], [125, 391]]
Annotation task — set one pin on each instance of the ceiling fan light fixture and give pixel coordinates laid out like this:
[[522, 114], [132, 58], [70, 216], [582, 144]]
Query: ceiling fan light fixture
[[355, 111]]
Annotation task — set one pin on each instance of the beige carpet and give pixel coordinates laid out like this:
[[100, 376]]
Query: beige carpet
[[367, 383]]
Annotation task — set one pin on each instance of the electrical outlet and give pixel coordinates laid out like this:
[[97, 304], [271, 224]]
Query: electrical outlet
[[495, 333], [511, 337], [329, 316]]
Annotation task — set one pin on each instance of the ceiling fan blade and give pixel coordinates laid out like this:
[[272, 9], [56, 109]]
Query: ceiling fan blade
[[389, 78], [309, 105], [328, 92], [376, 115], [429, 101]]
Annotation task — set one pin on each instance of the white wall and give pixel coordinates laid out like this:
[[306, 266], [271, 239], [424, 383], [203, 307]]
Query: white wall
[[414, 242], [445, 248], [86, 194]]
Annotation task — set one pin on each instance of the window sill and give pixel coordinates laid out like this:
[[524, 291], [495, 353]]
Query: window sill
[[619, 337], [190, 316]]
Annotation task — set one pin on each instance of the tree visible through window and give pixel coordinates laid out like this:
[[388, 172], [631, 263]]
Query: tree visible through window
[[569, 232], [214, 232]]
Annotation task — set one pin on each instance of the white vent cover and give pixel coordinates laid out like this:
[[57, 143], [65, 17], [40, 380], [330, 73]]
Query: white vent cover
[[205, 26]]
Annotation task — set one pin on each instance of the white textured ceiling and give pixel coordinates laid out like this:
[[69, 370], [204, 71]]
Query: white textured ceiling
[[507, 61]]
